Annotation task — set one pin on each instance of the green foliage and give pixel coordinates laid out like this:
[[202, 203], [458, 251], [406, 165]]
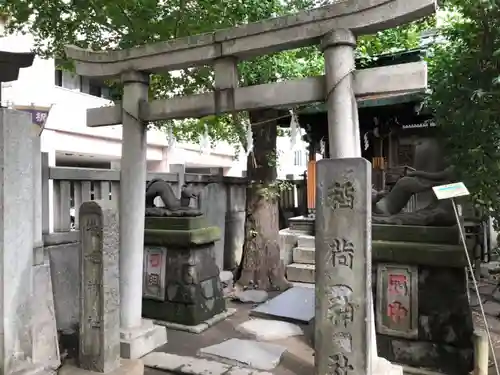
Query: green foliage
[[273, 190], [393, 40], [112, 24], [465, 92]]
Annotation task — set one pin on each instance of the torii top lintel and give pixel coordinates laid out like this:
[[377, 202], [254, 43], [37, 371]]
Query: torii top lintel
[[259, 38]]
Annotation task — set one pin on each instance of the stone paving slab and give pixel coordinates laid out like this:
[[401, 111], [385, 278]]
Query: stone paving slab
[[128, 367], [297, 360], [194, 366], [254, 354], [267, 330], [296, 305]]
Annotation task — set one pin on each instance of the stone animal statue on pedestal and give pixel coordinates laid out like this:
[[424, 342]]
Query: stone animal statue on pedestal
[[430, 170], [174, 207]]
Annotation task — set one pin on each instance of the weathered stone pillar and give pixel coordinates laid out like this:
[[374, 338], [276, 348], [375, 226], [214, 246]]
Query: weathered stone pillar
[[343, 267], [99, 348], [343, 123], [16, 241], [137, 336]]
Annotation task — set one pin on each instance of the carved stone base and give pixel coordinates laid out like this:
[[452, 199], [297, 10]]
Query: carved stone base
[[441, 335], [181, 264], [444, 341]]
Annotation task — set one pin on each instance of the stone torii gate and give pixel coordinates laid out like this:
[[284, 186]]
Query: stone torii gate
[[335, 26]]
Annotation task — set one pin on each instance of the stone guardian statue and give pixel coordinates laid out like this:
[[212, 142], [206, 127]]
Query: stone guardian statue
[[430, 170], [174, 207]]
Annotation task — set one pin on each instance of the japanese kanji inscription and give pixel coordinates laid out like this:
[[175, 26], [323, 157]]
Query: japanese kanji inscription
[[154, 273], [99, 347], [397, 300], [338, 364], [90, 229], [341, 195], [340, 308], [343, 272], [341, 252], [343, 340]]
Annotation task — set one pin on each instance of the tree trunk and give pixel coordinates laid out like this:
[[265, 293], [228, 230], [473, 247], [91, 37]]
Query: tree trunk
[[261, 266]]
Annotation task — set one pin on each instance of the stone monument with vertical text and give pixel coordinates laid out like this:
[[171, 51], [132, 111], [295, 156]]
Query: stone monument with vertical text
[[343, 267], [99, 349]]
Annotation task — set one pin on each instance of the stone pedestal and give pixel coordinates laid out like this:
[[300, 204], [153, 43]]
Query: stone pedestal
[[181, 277], [422, 310]]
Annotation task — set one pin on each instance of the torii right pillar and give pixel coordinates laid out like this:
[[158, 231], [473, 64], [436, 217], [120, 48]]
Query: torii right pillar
[[345, 339]]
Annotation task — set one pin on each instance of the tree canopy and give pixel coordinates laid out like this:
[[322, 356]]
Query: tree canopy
[[105, 24], [464, 82], [110, 24]]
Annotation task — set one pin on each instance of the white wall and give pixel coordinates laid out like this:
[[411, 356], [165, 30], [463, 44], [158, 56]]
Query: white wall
[[292, 158], [66, 131]]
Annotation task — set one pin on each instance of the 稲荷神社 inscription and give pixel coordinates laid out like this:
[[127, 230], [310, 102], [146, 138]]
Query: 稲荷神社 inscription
[[342, 266]]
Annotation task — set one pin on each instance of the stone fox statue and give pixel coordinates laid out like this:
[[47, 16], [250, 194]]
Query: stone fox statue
[[173, 206], [431, 170]]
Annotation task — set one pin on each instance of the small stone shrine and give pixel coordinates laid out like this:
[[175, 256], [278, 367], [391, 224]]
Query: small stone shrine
[[181, 277]]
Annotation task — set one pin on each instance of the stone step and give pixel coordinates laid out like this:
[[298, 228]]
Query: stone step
[[302, 273], [304, 255], [305, 240]]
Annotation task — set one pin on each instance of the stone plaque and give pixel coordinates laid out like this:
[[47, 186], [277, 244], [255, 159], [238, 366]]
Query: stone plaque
[[154, 273], [397, 300], [343, 266], [99, 348]]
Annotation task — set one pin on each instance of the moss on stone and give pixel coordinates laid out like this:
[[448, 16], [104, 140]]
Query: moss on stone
[[176, 223], [438, 255], [181, 238], [419, 234]]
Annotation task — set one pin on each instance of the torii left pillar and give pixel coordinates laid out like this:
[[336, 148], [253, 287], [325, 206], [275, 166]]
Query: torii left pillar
[[137, 336]]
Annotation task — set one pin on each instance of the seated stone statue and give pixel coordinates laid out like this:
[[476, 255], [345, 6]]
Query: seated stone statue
[[173, 206], [430, 170]]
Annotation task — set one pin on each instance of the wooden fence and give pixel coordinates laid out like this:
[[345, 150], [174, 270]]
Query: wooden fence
[[73, 186]]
